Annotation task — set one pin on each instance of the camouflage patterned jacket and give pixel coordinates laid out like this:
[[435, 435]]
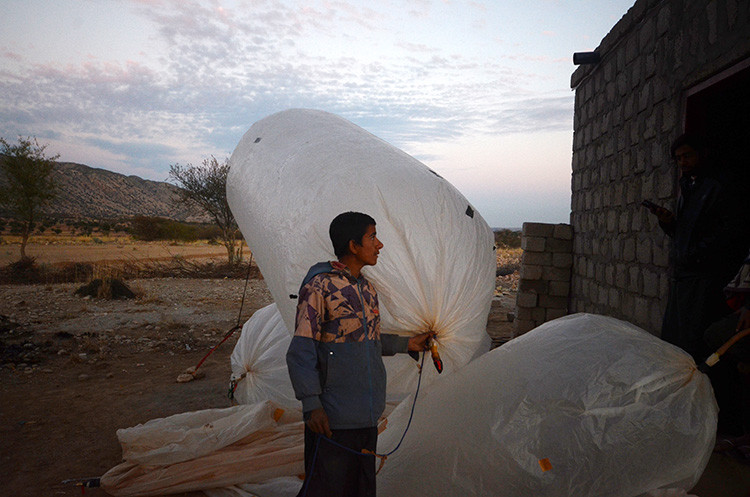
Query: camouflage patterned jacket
[[334, 359]]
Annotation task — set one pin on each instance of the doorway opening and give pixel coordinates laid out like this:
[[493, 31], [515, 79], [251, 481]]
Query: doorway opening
[[719, 110]]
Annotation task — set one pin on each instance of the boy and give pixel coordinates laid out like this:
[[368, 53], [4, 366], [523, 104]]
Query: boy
[[335, 362]]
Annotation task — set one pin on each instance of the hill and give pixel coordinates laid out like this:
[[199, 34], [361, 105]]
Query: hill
[[91, 193]]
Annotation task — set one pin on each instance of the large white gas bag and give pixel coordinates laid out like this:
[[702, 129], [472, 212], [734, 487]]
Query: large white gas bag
[[585, 406], [294, 171], [259, 371]]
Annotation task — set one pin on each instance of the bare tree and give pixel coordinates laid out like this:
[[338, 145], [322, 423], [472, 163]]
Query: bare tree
[[29, 185], [206, 187]]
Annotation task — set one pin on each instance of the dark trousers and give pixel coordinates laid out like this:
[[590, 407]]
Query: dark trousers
[[339, 472]]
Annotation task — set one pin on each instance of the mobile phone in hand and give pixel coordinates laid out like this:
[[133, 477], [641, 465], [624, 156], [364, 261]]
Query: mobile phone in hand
[[649, 204]]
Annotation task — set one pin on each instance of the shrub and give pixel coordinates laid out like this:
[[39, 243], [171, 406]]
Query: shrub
[[507, 238], [157, 228], [24, 270]]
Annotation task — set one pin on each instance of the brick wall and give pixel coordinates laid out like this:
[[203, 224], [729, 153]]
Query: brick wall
[[544, 283], [628, 109]]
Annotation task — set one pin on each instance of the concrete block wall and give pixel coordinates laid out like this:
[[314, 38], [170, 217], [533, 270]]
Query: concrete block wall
[[629, 108], [544, 283]]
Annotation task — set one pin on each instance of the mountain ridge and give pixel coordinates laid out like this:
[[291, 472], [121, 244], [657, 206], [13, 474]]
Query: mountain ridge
[[85, 192]]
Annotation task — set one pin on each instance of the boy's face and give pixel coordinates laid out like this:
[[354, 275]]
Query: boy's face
[[367, 252]]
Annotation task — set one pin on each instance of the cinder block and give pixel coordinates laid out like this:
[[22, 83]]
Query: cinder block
[[562, 260], [538, 229], [556, 274], [642, 311], [634, 283], [536, 258], [556, 313], [628, 250], [527, 299], [524, 313], [532, 243], [643, 251], [550, 302], [559, 288], [559, 245], [530, 272], [538, 286], [563, 232], [538, 314], [621, 276], [650, 283], [522, 326], [614, 298]]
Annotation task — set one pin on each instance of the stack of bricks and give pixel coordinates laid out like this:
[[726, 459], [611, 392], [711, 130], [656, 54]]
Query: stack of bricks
[[544, 285]]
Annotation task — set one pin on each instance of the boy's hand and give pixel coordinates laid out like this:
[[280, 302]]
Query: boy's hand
[[421, 342], [318, 422]]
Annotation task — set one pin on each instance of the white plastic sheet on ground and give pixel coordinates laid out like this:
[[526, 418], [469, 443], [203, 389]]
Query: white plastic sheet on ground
[[259, 360], [294, 171], [614, 411], [207, 449]]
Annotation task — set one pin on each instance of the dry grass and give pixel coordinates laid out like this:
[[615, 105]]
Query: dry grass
[[508, 267]]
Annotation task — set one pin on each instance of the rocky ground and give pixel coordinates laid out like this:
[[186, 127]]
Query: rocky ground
[[75, 369]]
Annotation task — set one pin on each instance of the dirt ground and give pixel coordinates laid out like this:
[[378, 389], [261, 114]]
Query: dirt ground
[[127, 250], [75, 370]]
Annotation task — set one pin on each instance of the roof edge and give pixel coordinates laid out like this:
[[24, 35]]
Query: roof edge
[[632, 17]]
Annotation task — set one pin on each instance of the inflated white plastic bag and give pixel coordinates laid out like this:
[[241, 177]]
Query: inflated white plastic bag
[[259, 360], [585, 406], [294, 171]]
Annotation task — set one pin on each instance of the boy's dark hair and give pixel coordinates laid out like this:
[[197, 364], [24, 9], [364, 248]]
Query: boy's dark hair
[[348, 226], [694, 141]]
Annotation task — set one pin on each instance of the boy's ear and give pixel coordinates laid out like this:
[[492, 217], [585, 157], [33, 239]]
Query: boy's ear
[[352, 246]]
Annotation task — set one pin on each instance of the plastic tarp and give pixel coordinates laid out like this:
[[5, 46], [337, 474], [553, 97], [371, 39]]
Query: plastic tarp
[[294, 171], [584, 405], [208, 449], [259, 360]]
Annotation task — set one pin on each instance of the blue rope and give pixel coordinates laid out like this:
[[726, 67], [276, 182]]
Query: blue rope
[[333, 442]]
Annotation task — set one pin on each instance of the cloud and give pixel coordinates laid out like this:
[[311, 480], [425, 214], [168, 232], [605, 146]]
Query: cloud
[[138, 150], [223, 68]]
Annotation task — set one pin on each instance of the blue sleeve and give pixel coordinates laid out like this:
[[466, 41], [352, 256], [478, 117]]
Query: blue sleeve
[[302, 363], [393, 344]]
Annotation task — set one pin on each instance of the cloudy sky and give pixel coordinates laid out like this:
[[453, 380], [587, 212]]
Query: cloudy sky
[[479, 90]]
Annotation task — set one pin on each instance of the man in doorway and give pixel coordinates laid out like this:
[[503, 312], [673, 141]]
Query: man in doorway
[[709, 239], [335, 363]]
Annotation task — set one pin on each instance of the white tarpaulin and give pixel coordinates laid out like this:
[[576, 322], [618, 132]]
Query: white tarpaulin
[[585, 406], [294, 171], [208, 449]]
